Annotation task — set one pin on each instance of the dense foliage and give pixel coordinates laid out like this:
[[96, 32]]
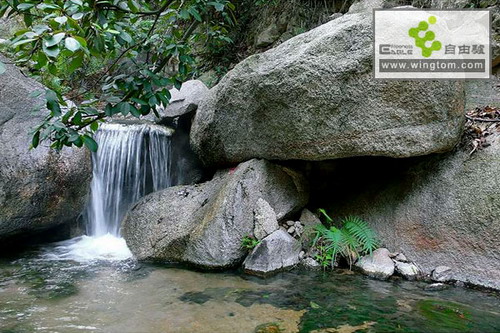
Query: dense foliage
[[128, 51], [349, 240]]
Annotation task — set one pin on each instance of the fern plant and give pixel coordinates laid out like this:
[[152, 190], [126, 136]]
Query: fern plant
[[350, 240]]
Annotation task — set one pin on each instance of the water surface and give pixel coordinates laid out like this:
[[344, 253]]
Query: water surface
[[43, 291]]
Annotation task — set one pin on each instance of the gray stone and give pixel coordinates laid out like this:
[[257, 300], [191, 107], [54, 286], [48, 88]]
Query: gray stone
[[276, 252], [309, 219], [365, 6], [39, 188], [290, 223], [310, 264], [449, 4], [291, 230], [264, 220], [204, 224], [438, 210], [299, 229], [185, 100], [308, 98], [442, 274], [335, 16], [407, 270], [377, 265]]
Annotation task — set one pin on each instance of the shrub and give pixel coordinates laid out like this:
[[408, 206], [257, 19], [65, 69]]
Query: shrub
[[350, 239]]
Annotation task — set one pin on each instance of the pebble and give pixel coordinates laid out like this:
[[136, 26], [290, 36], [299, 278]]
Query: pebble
[[291, 230], [290, 223]]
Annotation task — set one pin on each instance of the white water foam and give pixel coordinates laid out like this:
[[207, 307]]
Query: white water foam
[[87, 249]]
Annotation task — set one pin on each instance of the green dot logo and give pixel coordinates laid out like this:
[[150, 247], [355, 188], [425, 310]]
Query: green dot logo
[[428, 37]]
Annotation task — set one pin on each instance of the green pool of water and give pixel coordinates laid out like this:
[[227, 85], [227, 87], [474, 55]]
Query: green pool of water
[[41, 295]]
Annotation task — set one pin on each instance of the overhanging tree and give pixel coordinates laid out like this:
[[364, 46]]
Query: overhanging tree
[[144, 48]]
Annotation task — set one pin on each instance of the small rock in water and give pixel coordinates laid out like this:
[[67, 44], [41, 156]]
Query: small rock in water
[[436, 286], [377, 265], [301, 254], [408, 270], [290, 223], [442, 274], [291, 230], [310, 263]]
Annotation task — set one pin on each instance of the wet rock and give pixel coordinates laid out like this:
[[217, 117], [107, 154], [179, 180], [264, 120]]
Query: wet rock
[[436, 287], [310, 264], [264, 219], [407, 270], [378, 265], [40, 189], [276, 252], [290, 223], [291, 230], [290, 103], [442, 274], [204, 224]]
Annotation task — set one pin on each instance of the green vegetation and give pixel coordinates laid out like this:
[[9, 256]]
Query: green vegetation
[[110, 56], [350, 239], [249, 243]]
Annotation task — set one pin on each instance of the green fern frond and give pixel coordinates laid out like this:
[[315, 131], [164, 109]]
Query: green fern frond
[[362, 232]]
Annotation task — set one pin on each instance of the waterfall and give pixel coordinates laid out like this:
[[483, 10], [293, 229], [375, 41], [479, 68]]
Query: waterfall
[[132, 161]]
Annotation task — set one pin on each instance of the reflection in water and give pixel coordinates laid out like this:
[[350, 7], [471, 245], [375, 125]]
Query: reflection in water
[[41, 293]]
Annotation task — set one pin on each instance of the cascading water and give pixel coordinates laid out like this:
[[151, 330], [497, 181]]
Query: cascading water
[[132, 161]]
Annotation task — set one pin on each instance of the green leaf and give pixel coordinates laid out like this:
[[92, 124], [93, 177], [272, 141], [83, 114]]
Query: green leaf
[[314, 305], [54, 40], [52, 52], [133, 110], [23, 41], [94, 126], [90, 143], [35, 140], [25, 6], [76, 62], [218, 6], [72, 44], [61, 19]]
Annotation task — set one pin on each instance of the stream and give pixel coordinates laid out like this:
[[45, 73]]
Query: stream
[[47, 290]]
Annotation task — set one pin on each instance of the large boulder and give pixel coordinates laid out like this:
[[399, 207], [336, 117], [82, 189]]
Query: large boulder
[[313, 98], [441, 210], [204, 224], [184, 100], [39, 188]]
